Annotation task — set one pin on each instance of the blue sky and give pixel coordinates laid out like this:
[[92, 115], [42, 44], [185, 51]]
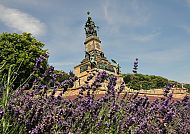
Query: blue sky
[[155, 31]]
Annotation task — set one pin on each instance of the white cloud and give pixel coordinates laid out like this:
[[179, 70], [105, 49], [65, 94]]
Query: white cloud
[[21, 21]]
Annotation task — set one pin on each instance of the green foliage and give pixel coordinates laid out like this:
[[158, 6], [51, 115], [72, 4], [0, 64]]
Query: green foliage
[[20, 49], [140, 81], [176, 84], [61, 75], [187, 86], [6, 83]]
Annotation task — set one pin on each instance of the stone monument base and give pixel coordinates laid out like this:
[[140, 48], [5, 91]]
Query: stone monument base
[[93, 72]]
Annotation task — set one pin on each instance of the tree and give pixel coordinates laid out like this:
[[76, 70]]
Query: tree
[[20, 51], [138, 81], [135, 68], [61, 75]]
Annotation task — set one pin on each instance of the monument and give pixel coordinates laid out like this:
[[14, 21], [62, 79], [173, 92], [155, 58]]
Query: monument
[[94, 59]]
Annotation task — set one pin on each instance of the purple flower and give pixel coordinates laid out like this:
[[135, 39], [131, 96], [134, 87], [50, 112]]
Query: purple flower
[[1, 113], [167, 90], [185, 99], [169, 116], [34, 131], [88, 114]]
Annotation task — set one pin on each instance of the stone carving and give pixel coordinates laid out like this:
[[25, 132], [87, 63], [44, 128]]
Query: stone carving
[[106, 67], [83, 68], [87, 55], [98, 46], [102, 66]]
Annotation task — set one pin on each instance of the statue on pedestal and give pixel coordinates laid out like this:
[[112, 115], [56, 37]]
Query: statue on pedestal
[[90, 27]]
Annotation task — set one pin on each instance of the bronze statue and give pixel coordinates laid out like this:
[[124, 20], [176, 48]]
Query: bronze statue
[[90, 27], [117, 66], [92, 59]]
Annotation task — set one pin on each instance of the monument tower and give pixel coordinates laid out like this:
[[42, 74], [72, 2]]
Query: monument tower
[[94, 58]]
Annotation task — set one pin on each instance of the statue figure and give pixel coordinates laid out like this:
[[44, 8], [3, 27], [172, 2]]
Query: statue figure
[[102, 55], [93, 61], [90, 27], [117, 66]]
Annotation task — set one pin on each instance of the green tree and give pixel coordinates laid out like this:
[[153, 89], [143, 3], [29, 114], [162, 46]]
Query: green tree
[[138, 81], [61, 75], [20, 51], [135, 68], [187, 86]]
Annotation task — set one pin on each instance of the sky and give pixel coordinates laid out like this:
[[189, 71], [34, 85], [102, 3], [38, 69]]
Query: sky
[[157, 32]]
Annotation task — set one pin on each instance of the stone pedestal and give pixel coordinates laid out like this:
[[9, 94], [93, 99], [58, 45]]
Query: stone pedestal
[[94, 59]]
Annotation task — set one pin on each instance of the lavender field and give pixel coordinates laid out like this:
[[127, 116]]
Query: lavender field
[[35, 112]]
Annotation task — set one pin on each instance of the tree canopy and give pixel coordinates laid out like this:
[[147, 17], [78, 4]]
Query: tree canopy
[[20, 51], [141, 81]]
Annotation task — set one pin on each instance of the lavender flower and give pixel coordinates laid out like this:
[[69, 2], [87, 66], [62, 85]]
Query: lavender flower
[[88, 114], [167, 90], [1, 113]]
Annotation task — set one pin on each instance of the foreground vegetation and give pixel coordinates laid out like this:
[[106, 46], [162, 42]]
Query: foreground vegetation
[[36, 113], [116, 112]]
